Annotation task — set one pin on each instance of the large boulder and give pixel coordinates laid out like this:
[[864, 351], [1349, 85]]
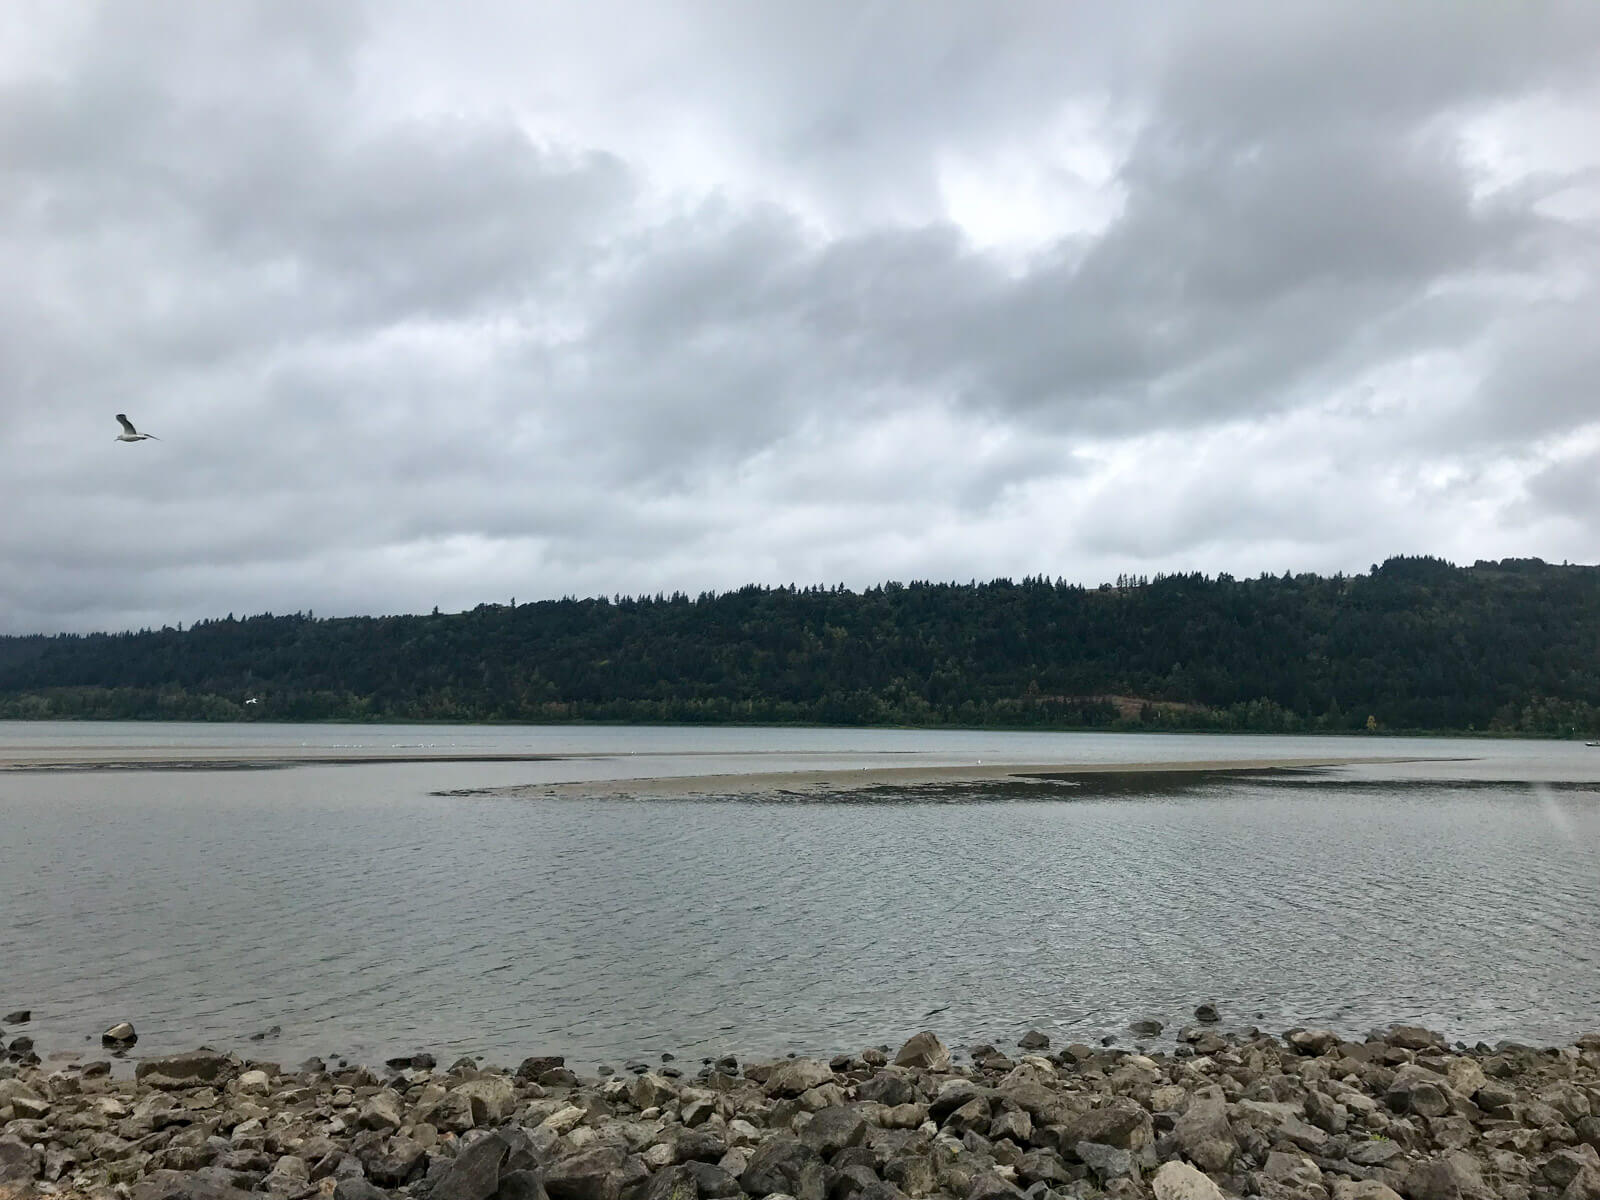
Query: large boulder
[[834, 1129], [1122, 1123], [18, 1160], [1203, 1135], [925, 1052], [1454, 1176], [474, 1173], [786, 1166], [594, 1174], [1180, 1181]]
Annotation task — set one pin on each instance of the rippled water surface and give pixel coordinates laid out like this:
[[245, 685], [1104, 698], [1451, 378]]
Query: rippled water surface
[[364, 914]]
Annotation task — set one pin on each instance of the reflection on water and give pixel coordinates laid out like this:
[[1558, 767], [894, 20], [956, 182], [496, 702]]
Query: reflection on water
[[364, 915]]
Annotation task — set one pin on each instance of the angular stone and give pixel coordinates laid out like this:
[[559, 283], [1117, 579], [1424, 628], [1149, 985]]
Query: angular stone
[[1203, 1135], [887, 1088], [925, 1052], [18, 1160], [384, 1112], [1413, 1037], [990, 1186], [398, 1160], [1014, 1124], [695, 1145], [796, 1075], [522, 1185], [1453, 1176], [784, 1165], [834, 1129], [1121, 1123], [1313, 1041], [198, 1068], [354, 1187], [474, 1173], [652, 1091], [533, 1068], [1180, 1181], [1107, 1162], [594, 1174], [1034, 1040], [491, 1096]]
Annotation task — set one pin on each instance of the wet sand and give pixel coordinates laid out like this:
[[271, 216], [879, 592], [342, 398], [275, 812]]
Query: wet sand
[[850, 779]]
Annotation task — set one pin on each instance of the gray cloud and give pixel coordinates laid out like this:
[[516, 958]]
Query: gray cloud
[[428, 310]]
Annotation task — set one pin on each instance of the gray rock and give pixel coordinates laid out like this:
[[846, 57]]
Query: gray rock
[[924, 1051], [533, 1068], [712, 1181], [1121, 1123], [888, 1089], [588, 1175], [1207, 1014], [1413, 1037], [356, 1188], [400, 1159], [474, 1173], [524, 1185], [784, 1165], [833, 1129], [1107, 1162], [20, 1017], [1453, 1176], [198, 1068], [1180, 1181], [798, 1075], [18, 1160], [176, 1185], [1034, 1040], [384, 1112], [1146, 1028], [1202, 1134], [694, 1145]]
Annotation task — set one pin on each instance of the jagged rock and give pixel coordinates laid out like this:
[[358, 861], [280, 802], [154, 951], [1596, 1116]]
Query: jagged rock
[[532, 1068], [1453, 1176], [1562, 1167], [695, 1145], [1417, 1090], [1106, 1162], [1207, 1014], [523, 1185], [1203, 1135], [474, 1173], [1122, 1123], [198, 1068], [491, 1097], [834, 1129], [797, 1075], [1180, 1181], [924, 1051], [651, 1090], [1584, 1186], [788, 1166], [1145, 1028], [588, 1175], [1315, 1042], [20, 1017], [398, 1161], [384, 1112], [1014, 1124], [18, 1160], [887, 1088], [913, 1174], [1034, 1040]]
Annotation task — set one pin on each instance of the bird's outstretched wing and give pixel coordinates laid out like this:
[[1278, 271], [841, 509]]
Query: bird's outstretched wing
[[127, 425]]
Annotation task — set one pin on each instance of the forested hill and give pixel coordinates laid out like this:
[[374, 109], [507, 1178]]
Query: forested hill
[[1416, 644]]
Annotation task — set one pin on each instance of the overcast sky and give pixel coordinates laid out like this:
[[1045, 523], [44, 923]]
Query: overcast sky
[[433, 303]]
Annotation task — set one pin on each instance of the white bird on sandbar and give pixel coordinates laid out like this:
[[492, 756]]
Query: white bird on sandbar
[[130, 434]]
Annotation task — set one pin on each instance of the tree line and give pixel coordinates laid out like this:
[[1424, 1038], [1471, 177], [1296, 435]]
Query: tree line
[[1416, 644]]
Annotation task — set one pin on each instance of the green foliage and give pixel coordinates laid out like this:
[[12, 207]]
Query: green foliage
[[1417, 644]]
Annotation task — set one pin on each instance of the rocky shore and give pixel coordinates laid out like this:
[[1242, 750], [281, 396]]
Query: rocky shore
[[1304, 1116]]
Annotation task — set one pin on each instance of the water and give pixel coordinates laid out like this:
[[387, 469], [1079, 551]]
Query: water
[[366, 915]]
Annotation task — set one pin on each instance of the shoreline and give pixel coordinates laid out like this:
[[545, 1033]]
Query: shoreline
[[1302, 1115]]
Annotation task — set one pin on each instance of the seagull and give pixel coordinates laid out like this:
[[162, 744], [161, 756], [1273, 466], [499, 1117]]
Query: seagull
[[130, 434]]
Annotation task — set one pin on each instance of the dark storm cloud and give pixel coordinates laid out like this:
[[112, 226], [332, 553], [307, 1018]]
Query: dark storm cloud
[[430, 307]]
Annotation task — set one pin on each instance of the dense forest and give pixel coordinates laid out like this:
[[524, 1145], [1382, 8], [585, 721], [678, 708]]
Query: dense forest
[[1416, 644]]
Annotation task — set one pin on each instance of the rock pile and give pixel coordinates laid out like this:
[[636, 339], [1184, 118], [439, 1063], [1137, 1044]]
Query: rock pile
[[1308, 1116]]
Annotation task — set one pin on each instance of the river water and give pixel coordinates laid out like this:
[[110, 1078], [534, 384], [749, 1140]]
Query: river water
[[212, 882]]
